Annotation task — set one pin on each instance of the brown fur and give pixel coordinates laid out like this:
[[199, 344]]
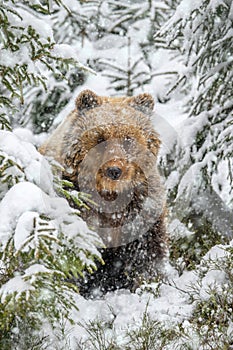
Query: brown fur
[[104, 132]]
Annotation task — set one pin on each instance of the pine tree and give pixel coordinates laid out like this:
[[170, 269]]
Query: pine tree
[[134, 23], [69, 24], [31, 58], [43, 241], [199, 171], [128, 76]]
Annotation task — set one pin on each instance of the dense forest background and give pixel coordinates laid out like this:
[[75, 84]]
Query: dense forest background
[[181, 53]]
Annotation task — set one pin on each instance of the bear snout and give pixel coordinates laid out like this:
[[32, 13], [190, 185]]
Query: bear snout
[[114, 173]]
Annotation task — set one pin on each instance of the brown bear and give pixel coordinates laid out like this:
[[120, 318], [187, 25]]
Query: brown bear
[[108, 148]]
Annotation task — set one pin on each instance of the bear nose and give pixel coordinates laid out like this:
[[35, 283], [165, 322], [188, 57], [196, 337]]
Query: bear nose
[[114, 173]]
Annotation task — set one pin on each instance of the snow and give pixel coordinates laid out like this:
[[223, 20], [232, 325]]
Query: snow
[[34, 165], [43, 28], [24, 135], [166, 131], [8, 58], [122, 311], [220, 183], [178, 230], [24, 228], [183, 10], [214, 279], [125, 310], [16, 211], [19, 199], [22, 22], [231, 12], [111, 41], [63, 50], [23, 203], [21, 284], [34, 269], [15, 285], [167, 301], [172, 180], [67, 52], [95, 83], [216, 252]]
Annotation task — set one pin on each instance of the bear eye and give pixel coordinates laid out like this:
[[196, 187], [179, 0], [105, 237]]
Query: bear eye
[[127, 142], [100, 139]]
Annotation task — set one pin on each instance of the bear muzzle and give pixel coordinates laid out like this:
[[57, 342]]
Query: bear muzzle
[[114, 173]]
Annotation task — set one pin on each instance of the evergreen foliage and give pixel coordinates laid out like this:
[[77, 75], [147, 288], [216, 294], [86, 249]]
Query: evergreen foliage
[[133, 68], [201, 40], [43, 242], [30, 57]]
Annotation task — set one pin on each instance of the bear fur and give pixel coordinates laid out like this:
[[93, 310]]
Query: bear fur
[[108, 148]]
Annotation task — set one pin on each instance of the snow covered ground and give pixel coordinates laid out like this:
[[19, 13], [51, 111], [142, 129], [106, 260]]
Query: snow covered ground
[[125, 310], [170, 303]]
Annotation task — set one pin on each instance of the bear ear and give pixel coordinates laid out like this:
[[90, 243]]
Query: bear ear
[[87, 99], [143, 102]]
